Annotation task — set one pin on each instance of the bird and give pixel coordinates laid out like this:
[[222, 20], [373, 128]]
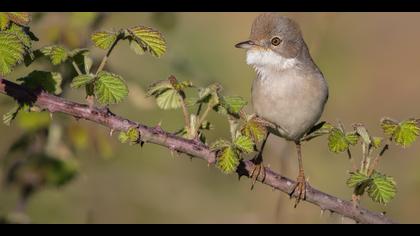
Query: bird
[[289, 91]]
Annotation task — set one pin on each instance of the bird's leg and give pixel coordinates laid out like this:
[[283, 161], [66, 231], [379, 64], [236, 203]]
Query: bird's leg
[[258, 161], [300, 185]]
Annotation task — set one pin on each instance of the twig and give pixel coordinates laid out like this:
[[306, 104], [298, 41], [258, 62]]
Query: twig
[[191, 147]]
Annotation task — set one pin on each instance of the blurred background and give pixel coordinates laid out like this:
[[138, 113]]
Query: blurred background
[[371, 62]]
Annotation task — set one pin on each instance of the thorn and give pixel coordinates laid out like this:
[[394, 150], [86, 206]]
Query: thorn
[[111, 132]]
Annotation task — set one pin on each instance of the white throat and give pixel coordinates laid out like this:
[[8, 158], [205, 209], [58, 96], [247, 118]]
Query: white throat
[[266, 61]]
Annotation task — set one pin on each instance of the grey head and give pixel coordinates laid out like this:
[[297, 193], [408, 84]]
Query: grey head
[[275, 33]]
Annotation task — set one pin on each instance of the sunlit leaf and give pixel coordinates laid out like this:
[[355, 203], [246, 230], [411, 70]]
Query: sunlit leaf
[[12, 51], [149, 40], [352, 138], [81, 81], [170, 99], [382, 189], [104, 39], [389, 126], [57, 54], [110, 88], [233, 104], [337, 141], [254, 129], [244, 143], [228, 160], [406, 133]]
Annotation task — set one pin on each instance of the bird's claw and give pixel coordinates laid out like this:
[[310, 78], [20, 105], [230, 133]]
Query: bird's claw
[[300, 189], [256, 172]]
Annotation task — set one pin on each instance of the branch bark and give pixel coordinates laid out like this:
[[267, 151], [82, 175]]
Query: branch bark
[[191, 147]]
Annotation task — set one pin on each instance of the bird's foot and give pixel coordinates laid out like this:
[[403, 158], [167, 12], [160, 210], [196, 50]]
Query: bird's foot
[[299, 188], [257, 171]]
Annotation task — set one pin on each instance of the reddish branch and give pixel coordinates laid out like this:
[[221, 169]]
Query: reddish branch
[[193, 148]]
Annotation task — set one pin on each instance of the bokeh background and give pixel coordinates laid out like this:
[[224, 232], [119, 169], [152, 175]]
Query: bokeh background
[[371, 62]]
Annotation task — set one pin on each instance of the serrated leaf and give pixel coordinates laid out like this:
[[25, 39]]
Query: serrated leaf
[[12, 51], [10, 115], [233, 104], [254, 129], [228, 160], [376, 142], [244, 143], [47, 81], [23, 33], [389, 126], [149, 40], [104, 39], [382, 188], [132, 136], [406, 133], [4, 21], [110, 88], [352, 138], [21, 18], [170, 99], [57, 54], [81, 81], [159, 87], [337, 141], [356, 178], [136, 47]]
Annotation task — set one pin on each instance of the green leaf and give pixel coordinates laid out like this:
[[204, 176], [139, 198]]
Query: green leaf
[[254, 129], [389, 126], [57, 54], [21, 18], [159, 87], [104, 39], [4, 21], [136, 47], [23, 33], [12, 51], [170, 99], [47, 81], [110, 88], [220, 144], [149, 40], [377, 142], [406, 133], [352, 138], [233, 104], [10, 115], [81, 81], [132, 136], [337, 141], [228, 160], [244, 143], [382, 189], [359, 182]]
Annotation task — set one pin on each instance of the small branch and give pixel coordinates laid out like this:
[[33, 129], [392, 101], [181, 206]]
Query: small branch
[[105, 59], [191, 147], [76, 67]]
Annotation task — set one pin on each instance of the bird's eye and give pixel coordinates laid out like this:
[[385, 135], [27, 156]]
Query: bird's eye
[[275, 41]]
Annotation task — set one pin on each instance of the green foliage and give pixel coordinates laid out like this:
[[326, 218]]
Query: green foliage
[[148, 40], [339, 142], [132, 136], [104, 39], [168, 93], [404, 133], [12, 51], [57, 54], [47, 81], [382, 188], [254, 128], [228, 160], [4, 21], [81, 81], [359, 182], [110, 88], [244, 144]]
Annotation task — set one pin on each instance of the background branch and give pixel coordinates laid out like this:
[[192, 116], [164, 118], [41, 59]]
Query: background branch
[[191, 147]]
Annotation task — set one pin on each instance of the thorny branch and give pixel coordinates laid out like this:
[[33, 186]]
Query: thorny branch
[[193, 148]]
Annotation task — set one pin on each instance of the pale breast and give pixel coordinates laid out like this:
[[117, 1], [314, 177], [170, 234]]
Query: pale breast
[[293, 99]]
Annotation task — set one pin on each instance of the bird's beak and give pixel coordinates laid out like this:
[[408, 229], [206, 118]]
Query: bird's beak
[[245, 45]]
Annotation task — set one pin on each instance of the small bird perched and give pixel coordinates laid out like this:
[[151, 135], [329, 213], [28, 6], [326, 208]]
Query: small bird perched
[[290, 91]]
